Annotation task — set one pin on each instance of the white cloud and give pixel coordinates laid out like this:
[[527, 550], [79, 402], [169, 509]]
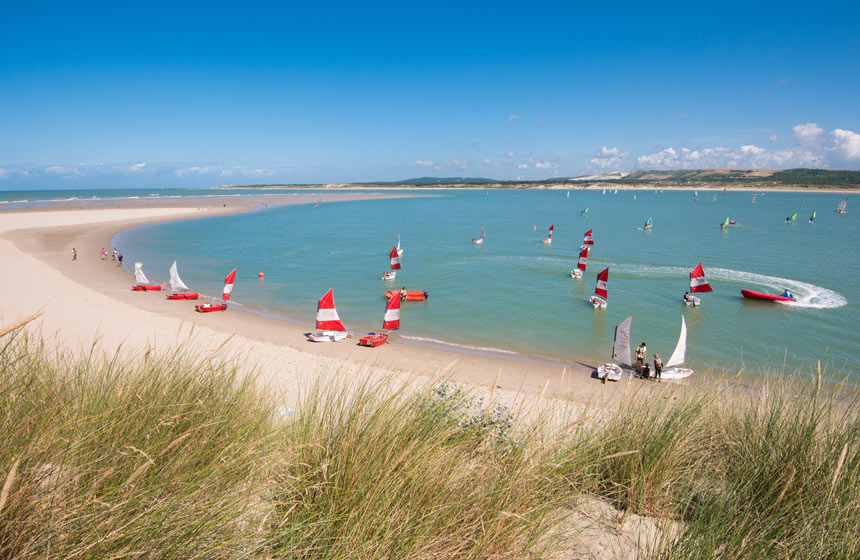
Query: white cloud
[[748, 156], [545, 165], [607, 157], [513, 117], [457, 164], [523, 166], [664, 158], [773, 137], [509, 155], [423, 163], [808, 134], [847, 142], [488, 161]]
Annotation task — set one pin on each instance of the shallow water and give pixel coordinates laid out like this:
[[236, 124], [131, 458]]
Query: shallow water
[[514, 293]]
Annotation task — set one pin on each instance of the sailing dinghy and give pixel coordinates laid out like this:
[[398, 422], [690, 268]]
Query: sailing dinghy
[[580, 266], [673, 369], [395, 265], [142, 282], [698, 285], [390, 321], [587, 240], [620, 352], [178, 289], [329, 326], [548, 239], [225, 296], [600, 295], [480, 239]]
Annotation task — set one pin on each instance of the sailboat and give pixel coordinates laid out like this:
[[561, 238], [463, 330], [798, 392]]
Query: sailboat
[[390, 321], [395, 265], [698, 285], [583, 212], [812, 217], [725, 224], [178, 289], [600, 295], [753, 199], [580, 266], [399, 250], [142, 282], [620, 352], [648, 225], [225, 296], [329, 326], [791, 218], [840, 209], [548, 239], [480, 239], [587, 240], [673, 369]]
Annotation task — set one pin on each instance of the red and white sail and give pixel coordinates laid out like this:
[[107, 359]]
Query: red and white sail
[[583, 259], [698, 282], [602, 279], [391, 320], [395, 258], [228, 285], [588, 239], [551, 227], [327, 317]]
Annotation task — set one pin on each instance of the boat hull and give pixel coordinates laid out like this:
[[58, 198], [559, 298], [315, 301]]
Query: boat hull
[[413, 295], [597, 302], [210, 307], [752, 294], [676, 373], [326, 336], [389, 275], [610, 371], [694, 301], [373, 340], [576, 273], [183, 296], [146, 288]]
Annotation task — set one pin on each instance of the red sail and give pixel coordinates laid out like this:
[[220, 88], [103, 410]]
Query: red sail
[[589, 240], [698, 283], [551, 227], [583, 258], [228, 285], [602, 279], [391, 320], [395, 259], [327, 318]]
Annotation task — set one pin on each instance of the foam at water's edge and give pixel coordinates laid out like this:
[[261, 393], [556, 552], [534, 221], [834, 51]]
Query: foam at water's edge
[[465, 346]]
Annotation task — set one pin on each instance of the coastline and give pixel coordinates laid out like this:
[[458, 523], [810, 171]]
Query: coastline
[[89, 299]]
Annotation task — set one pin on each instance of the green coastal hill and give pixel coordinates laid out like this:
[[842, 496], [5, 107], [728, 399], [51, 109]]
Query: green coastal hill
[[692, 178]]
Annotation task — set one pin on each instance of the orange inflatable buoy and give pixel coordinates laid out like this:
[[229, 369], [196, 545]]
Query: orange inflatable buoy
[[261, 275]]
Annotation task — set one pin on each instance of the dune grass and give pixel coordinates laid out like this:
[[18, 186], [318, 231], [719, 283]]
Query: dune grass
[[177, 456]]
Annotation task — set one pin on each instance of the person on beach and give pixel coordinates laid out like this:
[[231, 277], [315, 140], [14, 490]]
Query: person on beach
[[113, 254], [119, 259], [658, 367], [74, 254], [104, 253], [641, 356]]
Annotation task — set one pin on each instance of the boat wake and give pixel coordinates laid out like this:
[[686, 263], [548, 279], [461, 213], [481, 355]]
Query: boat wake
[[807, 295]]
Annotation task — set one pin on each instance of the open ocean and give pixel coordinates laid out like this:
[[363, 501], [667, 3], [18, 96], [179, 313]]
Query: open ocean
[[515, 294]]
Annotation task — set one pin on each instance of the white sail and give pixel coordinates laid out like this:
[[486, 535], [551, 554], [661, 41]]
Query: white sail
[[677, 358], [621, 346], [176, 283], [139, 276], [842, 204], [399, 250]]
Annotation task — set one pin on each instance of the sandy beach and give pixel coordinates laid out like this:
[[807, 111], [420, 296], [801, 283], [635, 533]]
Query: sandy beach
[[88, 301]]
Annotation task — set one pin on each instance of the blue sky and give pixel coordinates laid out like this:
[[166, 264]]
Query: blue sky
[[166, 94]]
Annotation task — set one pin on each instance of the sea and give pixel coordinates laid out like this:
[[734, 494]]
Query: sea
[[512, 295]]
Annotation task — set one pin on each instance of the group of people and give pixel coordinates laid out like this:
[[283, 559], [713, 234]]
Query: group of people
[[114, 255], [642, 367]]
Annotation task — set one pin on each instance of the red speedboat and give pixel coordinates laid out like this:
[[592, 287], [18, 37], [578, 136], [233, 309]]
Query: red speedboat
[[184, 295], [752, 294], [373, 340]]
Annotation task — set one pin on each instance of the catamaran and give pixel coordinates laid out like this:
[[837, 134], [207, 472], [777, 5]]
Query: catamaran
[[620, 352], [840, 209], [142, 282], [329, 326], [673, 369], [178, 289], [225, 296], [480, 239], [580, 266], [698, 285], [390, 322], [600, 295], [395, 265], [548, 239]]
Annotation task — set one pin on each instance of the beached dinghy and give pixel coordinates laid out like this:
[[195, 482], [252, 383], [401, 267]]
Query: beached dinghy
[[395, 265], [228, 289], [620, 352], [142, 282], [580, 266], [752, 294], [390, 322], [548, 238], [600, 295], [673, 369], [411, 295], [329, 326], [178, 289], [698, 285]]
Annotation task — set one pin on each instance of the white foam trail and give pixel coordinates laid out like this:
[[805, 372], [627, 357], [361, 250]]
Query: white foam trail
[[807, 295]]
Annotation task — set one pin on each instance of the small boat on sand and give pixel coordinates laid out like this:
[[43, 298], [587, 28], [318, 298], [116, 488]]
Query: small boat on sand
[[394, 257], [673, 369], [598, 300], [142, 282], [752, 294], [620, 352], [390, 321], [178, 289], [329, 326], [225, 296]]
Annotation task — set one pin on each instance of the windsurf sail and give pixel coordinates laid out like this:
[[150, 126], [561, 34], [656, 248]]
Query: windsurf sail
[[678, 355], [228, 285], [327, 317], [583, 259], [176, 283], [391, 319], [698, 282], [753, 199], [482, 232], [621, 345], [648, 224], [812, 217], [399, 250], [395, 258], [842, 204], [588, 239], [600, 287], [726, 223], [139, 276]]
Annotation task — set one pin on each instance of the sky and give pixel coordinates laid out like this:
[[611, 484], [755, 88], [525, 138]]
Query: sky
[[186, 94]]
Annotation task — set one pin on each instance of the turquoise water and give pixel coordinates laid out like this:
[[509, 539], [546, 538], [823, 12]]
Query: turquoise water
[[515, 294]]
